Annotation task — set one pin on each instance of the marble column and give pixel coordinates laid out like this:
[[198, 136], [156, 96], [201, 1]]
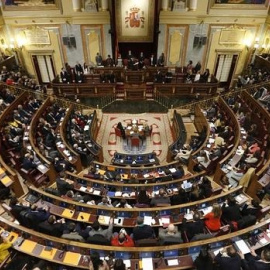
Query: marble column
[[104, 4], [77, 5], [193, 4], [165, 4]]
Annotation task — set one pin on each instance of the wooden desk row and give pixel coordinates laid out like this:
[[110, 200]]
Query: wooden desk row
[[264, 116], [4, 119], [83, 212], [134, 90], [71, 253], [179, 134]]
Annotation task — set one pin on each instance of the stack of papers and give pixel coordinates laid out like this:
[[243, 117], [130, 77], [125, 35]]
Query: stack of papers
[[207, 210], [164, 221], [172, 170], [147, 264], [104, 220], [147, 220], [242, 246]]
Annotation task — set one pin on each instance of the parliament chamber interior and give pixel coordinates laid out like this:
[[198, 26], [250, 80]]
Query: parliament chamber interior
[[134, 134]]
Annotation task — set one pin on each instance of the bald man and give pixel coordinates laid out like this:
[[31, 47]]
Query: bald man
[[169, 235]]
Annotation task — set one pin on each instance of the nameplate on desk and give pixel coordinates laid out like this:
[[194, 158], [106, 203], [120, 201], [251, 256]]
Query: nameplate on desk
[[172, 262], [83, 189]]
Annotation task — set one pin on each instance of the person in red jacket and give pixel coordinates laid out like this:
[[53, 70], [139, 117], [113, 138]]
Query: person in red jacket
[[212, 219], [122, 239]]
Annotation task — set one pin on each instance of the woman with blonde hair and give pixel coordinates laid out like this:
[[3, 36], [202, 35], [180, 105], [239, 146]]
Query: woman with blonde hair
[[212, 219]]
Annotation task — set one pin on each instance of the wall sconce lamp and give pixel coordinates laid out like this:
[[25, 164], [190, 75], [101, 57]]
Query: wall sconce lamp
[[13, 45]]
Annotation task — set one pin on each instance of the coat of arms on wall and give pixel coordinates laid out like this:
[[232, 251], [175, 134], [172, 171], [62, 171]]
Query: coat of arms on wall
[[135, 20]]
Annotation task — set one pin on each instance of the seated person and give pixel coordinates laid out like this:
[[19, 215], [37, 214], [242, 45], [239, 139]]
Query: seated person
[[72, 233], [170, 234], [228, 258], [142, 231], [203, 159], [97, 229], [180, 197], [4, 246], [52, 227], [178, 173], [205, 187], [231, 211], [105, 201], [63, 185], [122, 239], [193, 228], [252, 159], [256, 262], [184, 153], [123, 204], [28, 162], [212, 219], [253, 208], [160, 198], [143, 199]]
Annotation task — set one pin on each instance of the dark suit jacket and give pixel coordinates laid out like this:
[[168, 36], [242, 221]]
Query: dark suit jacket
[[232, 263], [55, 229], [143, 232], [193, 228], [62, 186], [254, 263], [231, 213]]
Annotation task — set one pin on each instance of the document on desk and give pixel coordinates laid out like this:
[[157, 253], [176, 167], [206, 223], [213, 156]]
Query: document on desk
[[147, 220], [242, 246], [147, 264], [127, 263], [207, 210]]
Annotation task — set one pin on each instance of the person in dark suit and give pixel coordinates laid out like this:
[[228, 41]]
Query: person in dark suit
[[141, 61], [111, 77], [62, 185], [193, 228], [161, 198], [231, 212], [159, 77], [204, 261], [142, 231], [120, 126], [52, 227], [153, 60], [251, 209], [28, 162], [78, 68], [64, 76], [229, 259], [109, 61], [256, 262], [17, 208]]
